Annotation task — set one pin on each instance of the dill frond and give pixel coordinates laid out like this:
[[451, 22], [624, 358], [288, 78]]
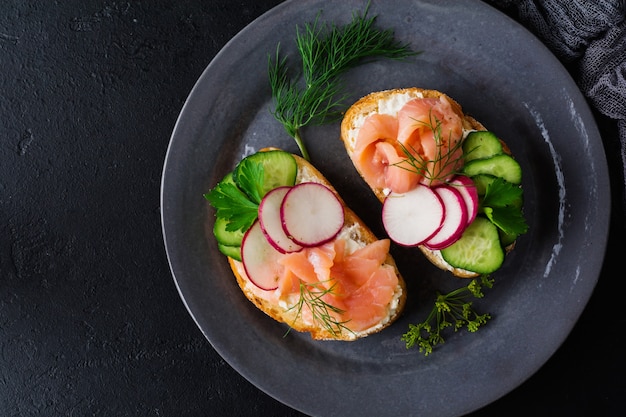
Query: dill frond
[[450, 310], [311, 296], [326, 53]]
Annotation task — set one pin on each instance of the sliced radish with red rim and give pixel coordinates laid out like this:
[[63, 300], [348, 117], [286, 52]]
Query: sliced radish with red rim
[[311, 214], [413, 217], [271, 221], [468, 191], [260, 259], [454, 221]]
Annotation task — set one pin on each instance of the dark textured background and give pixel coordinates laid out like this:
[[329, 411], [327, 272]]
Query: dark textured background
[[90, 319]]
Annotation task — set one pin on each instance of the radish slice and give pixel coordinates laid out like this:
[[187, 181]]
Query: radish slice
[[468, 191], [311, 214], [413, 217], [271, 222], [260, 259], [454, 221]]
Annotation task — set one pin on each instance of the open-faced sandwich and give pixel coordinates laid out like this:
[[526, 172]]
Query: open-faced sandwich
[[299, 253], [447, 185]]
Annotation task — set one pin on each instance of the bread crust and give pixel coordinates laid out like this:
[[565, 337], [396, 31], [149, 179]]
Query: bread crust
[[368, 105], [288, 315]]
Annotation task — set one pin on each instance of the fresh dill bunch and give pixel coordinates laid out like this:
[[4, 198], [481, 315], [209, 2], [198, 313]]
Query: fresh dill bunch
[[450, 310], [311, 295], [432, 170], [326, 52]]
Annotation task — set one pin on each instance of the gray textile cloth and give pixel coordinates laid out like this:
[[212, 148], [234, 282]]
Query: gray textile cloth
[[589, 37]]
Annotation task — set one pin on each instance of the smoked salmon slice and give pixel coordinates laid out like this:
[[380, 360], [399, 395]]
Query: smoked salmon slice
[[380, 160], [368, 304], [427, 128], [358, 285], [399, 175], [372, 165]]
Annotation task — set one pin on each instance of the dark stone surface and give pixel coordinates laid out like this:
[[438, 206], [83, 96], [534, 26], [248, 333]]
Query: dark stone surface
[[90, 319]]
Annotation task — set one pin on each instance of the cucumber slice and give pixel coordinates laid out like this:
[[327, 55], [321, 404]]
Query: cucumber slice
[[478, 250], [503, 166], [482, 181], [226, 237], [480, 145], [230, 251], [279, 168]]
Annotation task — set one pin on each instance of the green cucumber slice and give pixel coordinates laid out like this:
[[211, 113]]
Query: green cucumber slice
[[482, 181], [503, 166], [230, 251], [480, 145], [278, 168], [226, 237], [478, 250]]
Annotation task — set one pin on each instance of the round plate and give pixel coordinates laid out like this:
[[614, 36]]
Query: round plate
[[501, 75]]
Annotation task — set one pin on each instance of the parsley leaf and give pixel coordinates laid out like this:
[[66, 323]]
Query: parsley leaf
[[502, 204], [250, 177], [509, 219], [501, 193], [233, 205]]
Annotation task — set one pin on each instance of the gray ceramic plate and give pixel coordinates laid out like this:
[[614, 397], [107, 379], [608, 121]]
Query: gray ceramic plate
[[501, 75]]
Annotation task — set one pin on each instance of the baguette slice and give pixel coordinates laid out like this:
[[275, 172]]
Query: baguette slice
[[389, 102], [356, 235]]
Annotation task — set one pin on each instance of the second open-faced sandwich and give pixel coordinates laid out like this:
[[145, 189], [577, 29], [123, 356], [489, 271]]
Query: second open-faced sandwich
[[447, 185], [300, 254]]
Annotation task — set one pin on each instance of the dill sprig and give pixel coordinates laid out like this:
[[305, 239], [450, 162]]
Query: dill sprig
[[311, 295], [326, 52], [450, 310], [432, 170]]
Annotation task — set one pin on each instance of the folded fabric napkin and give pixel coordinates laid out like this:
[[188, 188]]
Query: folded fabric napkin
[[589, 37]]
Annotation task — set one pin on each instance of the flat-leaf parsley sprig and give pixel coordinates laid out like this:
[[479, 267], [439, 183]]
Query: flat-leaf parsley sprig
[[326, 52], [502, 204], [450, 310]]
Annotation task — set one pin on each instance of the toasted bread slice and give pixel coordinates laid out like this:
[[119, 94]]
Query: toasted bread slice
[[357, 235], [390, 102]]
